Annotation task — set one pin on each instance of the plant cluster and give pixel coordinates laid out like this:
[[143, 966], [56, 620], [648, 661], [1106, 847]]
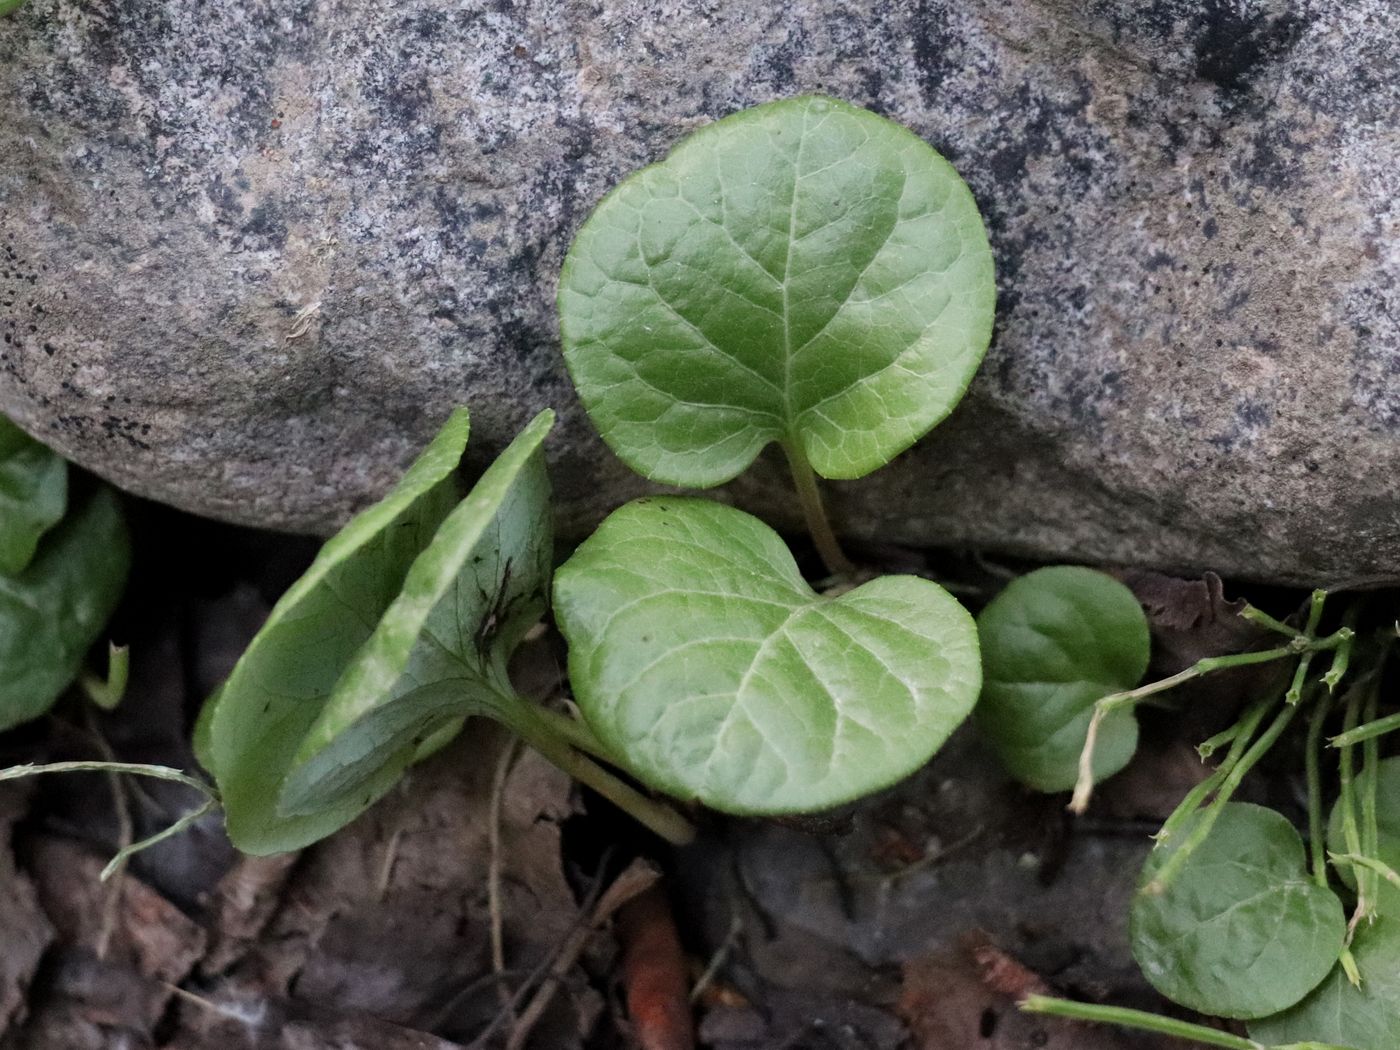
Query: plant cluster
[[809, 275], [1234, 916], [805, 274]]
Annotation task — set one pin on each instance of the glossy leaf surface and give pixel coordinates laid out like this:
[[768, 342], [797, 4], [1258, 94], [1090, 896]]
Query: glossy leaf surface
[[53, 611], [1242, 930], [254, 725], [33, 495], [698, 652], [804, 271], [1054, 642], [441, 649]]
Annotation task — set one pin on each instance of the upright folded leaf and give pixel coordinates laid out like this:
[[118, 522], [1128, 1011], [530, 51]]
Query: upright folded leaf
[[53, 611], [33, 495], [257, 721], [804, 271], [1053, 643], [701, 657], [440, 652]]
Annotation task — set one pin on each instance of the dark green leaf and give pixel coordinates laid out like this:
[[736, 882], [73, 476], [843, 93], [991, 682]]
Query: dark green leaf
[[53, 611], [1053, 642], [255, 724], [804, 271], [1242, 930], [1365, 1018], [699, 654], [33, 495]]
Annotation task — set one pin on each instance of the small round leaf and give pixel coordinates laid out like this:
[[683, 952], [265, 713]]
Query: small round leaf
[[1054, 642], [701, 657], [33, 495], [804, 271], [1241, 930]]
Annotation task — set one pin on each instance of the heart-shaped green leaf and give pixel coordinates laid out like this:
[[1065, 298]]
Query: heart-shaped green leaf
[[256, 722], [1242, 930], [804, 272], [52, 612], [1053, 642], [440, 651], [1336, 1011], [33, 495], [699, 654]]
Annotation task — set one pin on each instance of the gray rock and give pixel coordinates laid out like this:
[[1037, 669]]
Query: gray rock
[[251, 254]]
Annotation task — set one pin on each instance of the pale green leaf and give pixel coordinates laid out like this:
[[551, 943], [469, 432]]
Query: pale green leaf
[[53, 611], [1053, 642], [1242, 930], [699, 654], [804, 271], [33, 495], [257, 721], [440, 652]]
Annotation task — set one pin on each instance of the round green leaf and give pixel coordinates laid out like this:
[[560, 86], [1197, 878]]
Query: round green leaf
[[1336, 1011], [33, 495], [804, 271], [52, 612], [1054, 642], [699, 655], [1242, 930], [255, 724]]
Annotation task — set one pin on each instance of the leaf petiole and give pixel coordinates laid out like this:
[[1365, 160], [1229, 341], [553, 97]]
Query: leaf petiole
[[814, 511], [1244, 731], [546, 736]]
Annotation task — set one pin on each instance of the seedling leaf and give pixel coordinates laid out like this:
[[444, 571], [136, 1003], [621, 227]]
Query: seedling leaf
[[804, 271], [53, 611], [699, 654], [440, 651], [33, 495], [1054, 642], [1242, 930], [254, 725]]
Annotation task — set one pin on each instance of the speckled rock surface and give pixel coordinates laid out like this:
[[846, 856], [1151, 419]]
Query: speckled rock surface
[[251, 254]]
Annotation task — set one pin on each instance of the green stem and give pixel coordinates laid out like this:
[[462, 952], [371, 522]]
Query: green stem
[[818, 524], [1139, 1020], [1263, 619], [521, 716], [1211, 814], [576, 732], [1346, 777], [1341, 656], [107, 693], [1380, 867], [1370, 784], [1317, 831], [1244, 731], [1368, 731], [1084, 786], [1300, 674]]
